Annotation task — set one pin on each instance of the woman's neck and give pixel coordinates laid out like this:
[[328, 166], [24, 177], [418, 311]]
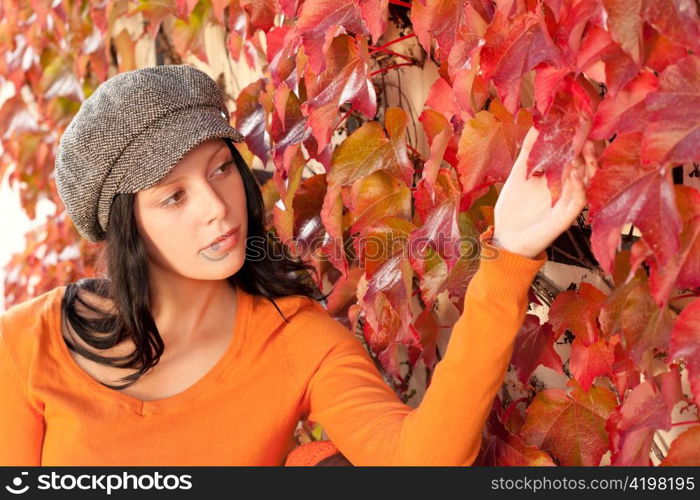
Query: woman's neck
[[186, 309]]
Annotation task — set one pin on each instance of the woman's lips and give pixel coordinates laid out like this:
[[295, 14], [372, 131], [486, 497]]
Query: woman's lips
[[225, 243]]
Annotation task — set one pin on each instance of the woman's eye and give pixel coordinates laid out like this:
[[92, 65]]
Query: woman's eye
[[226, 166], [174, 197]]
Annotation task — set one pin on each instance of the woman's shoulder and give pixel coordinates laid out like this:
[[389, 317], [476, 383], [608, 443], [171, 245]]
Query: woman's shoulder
[[299, 311], [273, 310], [30, 311], [25, 327], [312, 327]]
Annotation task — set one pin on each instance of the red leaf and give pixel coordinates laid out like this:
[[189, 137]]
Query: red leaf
[[433, 271], [288, 123], [625, 24], [685, 343], [677, 19], [625, 374], [440, 137], [554, 6], [547, 80], [630, 310], [307, 205], [471, 90], [441, 232], [598, 48], [289, 7], [380, 241], [571, 427], [562, 133], [487, 149], [153, 12], [441, 98], [501, 448], [343, 295], [660, 51], [629, 447], [670, 385], [626, 111], [573, 20], [275, 40], [590, 361], [426, 198], [375, 197], [368, 150], [625, 191], [251, 119], [344, 80], [464, 52], [396, 123], [374, 14], [683, 268], [441, 20], [429, 330], [389, 319], [261, 13], [317, 26], [685, 449], [577, 310], [534, 346], [438, 128], [332, 217], [674, 132], [512, 48], [283, 43], [645, 409]]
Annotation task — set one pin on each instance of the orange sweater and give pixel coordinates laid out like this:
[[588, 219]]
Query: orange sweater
[[245, 409]]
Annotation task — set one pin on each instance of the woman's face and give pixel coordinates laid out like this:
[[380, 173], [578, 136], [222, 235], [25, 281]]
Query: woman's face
[[199, 200]]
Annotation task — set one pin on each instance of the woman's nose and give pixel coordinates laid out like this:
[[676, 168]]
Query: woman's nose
[[213, 203]]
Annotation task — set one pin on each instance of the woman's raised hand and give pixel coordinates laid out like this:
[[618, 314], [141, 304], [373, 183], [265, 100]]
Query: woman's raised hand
[[525, 222]]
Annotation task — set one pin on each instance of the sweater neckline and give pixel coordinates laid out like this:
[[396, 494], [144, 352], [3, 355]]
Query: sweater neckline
[[146, 407]]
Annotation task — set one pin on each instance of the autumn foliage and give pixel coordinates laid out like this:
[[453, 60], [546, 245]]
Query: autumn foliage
[[625, 73]]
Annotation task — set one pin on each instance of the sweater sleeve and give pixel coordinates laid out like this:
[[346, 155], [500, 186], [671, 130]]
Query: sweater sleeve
[[21, 426], [367, 421]]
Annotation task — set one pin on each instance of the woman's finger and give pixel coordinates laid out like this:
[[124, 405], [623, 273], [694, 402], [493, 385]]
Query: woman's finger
[[520, 167], [572, 200], [580, 167], [591, 161], [578, 197], [591, 169], [566, 192]]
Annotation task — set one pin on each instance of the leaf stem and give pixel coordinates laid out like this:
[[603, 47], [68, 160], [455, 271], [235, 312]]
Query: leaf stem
[[415, 152], [510, 409], [686, 295], [389, 51], [397, 40], [343, 118], [384, 70], [687, 422]]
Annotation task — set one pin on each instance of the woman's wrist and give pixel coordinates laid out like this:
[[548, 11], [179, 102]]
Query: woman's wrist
[[519, 250]]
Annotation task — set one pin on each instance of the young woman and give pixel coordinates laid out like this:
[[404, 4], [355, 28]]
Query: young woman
[[203, 344]]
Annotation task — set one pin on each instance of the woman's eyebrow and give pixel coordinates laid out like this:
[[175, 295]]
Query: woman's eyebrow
[[161, 184]]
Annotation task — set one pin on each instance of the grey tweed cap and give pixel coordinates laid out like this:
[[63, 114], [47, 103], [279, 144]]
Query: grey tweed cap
[[130, 133]]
